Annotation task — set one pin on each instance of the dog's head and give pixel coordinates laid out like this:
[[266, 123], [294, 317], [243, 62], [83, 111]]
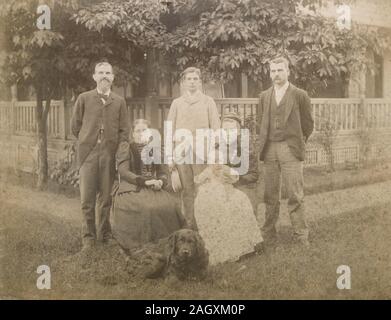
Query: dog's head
[[186, 244]]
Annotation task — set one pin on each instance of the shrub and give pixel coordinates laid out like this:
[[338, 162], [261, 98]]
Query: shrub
[[65, 171]]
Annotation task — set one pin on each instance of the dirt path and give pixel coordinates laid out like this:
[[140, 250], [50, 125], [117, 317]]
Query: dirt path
[[331, 203], [317, 205], [45, 202]]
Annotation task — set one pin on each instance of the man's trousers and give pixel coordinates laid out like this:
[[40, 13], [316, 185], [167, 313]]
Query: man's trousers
[[187, 172], [279, 162], [96, 182]]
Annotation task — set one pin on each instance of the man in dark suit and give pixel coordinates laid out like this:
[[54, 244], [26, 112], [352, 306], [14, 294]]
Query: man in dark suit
[[285, 125], [100, 122]]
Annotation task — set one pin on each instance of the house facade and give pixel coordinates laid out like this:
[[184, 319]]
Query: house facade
[[374, 13]]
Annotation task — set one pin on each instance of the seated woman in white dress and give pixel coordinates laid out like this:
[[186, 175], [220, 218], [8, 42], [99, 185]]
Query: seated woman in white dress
[[224, 216]]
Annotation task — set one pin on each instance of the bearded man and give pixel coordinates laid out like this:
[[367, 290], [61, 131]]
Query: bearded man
[[100, 122]]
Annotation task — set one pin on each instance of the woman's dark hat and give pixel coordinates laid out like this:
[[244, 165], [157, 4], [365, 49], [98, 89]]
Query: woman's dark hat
[[233, 116]]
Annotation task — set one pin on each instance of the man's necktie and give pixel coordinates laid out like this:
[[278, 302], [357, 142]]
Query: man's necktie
[[103, 96]]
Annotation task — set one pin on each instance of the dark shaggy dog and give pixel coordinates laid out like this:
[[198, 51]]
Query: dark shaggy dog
[[187, 258], [182, 256]]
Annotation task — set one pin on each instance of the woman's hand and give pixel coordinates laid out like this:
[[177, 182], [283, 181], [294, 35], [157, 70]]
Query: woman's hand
[[228, 175], [204, 176], [156, 185]]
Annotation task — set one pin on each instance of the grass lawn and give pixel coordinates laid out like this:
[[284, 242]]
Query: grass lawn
[[360, 239]]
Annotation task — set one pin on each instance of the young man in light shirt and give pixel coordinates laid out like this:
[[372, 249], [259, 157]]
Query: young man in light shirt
[[191, 111]]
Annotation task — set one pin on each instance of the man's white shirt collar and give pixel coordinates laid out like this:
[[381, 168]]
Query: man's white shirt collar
[[192, 98], [106, 94], [283, 88], [279, 93]]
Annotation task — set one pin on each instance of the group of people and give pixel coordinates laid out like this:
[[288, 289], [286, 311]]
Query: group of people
[[134, 201]]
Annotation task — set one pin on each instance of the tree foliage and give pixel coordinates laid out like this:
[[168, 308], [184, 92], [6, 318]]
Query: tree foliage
[[225, 37], [242, 36], [55, 59]]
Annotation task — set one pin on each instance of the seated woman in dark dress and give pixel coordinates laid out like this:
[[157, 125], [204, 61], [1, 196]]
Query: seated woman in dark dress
[[143, 211]]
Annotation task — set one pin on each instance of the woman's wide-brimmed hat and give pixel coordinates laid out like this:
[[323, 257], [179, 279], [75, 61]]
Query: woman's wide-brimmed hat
[[233, 116], [175, 180]]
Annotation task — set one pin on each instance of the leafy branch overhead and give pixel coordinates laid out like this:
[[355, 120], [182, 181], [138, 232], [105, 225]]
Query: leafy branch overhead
[[223, 37], [227, 36]]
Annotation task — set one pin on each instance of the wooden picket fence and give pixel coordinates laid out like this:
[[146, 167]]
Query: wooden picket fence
[[347, 116], [19, 118]]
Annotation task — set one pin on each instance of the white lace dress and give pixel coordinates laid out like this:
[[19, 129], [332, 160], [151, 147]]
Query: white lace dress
[[225, 218]]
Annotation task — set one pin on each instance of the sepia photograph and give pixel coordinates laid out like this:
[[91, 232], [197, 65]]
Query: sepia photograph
[[195, 150]]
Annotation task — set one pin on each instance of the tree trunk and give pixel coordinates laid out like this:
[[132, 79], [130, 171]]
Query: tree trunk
[[41, 116], [151, 79], [42, 157]]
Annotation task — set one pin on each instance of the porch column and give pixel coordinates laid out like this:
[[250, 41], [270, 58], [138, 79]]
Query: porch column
[[14, 99], [151, 100], [14, 92], [244, 82]]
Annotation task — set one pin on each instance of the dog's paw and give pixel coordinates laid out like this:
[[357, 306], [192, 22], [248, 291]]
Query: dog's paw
[[153, 266]]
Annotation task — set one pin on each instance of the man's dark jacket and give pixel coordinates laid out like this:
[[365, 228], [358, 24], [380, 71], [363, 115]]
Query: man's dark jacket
[[298, 123], [90, 113]]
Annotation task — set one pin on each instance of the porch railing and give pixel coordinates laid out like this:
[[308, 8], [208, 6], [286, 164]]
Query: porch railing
[[345, 115], [19, 118]]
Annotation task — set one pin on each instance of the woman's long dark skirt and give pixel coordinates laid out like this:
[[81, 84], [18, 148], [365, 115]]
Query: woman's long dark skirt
[[145, 216]]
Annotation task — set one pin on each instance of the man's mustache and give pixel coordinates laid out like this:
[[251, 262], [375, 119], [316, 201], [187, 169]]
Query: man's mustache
[[104, 79]]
